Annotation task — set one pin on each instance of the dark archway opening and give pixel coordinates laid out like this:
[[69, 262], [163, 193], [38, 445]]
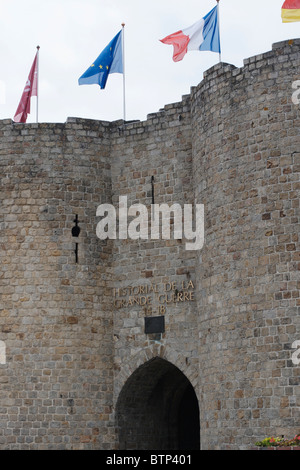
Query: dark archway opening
[[158, 410]]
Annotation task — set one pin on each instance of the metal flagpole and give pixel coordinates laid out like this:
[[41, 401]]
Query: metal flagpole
[[37, 86], [123, 58], [220, 58]]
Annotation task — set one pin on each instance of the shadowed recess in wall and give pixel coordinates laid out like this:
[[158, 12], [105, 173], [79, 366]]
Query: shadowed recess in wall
[[158, 409]]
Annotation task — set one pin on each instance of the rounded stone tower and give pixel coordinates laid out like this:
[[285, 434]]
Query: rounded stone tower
[[54, 319], [246, 156]]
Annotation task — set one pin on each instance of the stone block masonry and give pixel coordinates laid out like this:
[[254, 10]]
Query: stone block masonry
[[54, 310], [77, 369]]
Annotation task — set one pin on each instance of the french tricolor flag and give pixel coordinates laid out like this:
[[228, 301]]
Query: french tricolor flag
[[201, 36]]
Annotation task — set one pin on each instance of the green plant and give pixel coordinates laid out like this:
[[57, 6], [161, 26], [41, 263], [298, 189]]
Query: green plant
[[279, 442]]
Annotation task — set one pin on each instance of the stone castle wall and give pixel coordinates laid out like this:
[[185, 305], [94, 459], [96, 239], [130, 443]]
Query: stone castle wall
[[247, 169], [80, 371], [54, 311]]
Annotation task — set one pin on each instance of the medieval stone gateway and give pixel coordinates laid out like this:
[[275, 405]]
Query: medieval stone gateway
[[140, 343]]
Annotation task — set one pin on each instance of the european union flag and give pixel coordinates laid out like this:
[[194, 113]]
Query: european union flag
[[109, 61]]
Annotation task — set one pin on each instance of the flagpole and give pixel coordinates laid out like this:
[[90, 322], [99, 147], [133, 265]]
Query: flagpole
[[123, 58], [218, 2], [37, 86]]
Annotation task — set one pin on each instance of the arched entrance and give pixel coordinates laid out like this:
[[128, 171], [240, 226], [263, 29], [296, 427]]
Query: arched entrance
[[158, 409]]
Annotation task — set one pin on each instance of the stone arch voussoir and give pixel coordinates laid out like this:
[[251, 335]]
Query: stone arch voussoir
[[188, 366]]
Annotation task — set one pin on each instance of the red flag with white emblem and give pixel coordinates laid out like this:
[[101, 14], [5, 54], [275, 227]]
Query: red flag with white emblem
[[29, 91]]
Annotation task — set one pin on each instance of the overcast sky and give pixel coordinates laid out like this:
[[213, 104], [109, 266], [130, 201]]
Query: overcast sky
[[72, 33]]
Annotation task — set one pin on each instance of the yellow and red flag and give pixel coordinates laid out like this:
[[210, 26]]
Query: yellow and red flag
[[290, 11]]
